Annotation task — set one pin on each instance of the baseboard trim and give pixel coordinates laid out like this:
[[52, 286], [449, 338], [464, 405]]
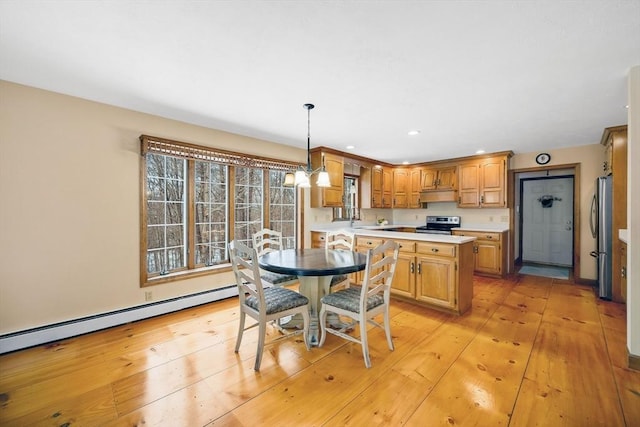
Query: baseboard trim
[[58, 331]]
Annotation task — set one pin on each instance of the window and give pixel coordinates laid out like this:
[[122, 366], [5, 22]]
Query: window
[[249, 200], [282, 209], [197, 199]]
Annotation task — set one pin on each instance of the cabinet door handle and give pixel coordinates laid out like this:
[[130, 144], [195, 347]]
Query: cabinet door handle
[[624, 272], [481, 199], [412, 268], [419, 272], [435, 250], [489, 237]]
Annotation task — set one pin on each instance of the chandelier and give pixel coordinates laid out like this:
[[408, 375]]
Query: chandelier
[[302, 177]]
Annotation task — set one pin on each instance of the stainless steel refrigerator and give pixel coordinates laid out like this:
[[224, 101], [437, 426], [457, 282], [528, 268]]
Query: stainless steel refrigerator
[[602, 230]]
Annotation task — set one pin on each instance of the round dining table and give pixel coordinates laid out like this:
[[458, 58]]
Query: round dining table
[[314, 267]]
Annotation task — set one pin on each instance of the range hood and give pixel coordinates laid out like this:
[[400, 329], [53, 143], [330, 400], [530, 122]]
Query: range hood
[[438, 196]]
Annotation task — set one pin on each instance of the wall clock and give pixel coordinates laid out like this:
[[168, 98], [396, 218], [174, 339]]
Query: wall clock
[[543, 158]]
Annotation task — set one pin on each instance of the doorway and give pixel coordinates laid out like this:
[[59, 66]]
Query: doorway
[[534, 228], [547, 221]]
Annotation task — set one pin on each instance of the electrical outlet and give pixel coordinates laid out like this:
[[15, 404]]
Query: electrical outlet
[[148, 296], [416, 216], [504, 218], [490, 219]]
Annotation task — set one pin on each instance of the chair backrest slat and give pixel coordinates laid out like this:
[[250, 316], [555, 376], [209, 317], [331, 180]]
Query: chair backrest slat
[[340, 239], [379, 272], [244, 261], [266, 240]]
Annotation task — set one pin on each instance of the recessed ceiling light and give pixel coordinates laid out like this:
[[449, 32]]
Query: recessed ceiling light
[[480, 152], [413, 132], [405, 162], [350, 147]]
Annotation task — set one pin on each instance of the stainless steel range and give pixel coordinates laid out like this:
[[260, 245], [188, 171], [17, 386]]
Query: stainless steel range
[[439, 225]]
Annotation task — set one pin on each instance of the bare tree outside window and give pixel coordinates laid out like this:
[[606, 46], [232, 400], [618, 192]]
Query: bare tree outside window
[[211, 213], [189, 197], [249, 201], [282, 208], [166, 250]]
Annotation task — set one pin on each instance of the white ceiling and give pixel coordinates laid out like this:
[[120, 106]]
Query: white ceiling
[[526, 76]]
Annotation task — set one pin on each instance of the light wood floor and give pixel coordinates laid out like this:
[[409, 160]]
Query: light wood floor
[[531, 351]]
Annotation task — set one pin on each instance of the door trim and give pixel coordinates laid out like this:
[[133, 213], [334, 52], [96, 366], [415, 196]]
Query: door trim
[[512, 203]]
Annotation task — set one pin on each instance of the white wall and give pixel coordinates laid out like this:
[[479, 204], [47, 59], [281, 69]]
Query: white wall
[[69, 205]]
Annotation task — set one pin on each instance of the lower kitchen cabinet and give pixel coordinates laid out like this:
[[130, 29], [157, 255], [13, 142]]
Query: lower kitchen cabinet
[[433, 274], [490, 258], [438, 275]]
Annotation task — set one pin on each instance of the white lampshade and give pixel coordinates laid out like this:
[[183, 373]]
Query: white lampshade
[[304, 180], [323, 179], [289, 180], [300, 177]]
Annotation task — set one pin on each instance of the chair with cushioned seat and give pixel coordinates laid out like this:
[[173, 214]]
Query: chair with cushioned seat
[[339, 239], [263, 304], [363, 303], [265, 241]]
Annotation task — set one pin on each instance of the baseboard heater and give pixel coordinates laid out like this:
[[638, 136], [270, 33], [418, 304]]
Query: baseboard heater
[[71, 328]]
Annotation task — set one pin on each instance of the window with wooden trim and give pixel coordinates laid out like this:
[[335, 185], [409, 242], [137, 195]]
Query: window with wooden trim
[[196, 199]]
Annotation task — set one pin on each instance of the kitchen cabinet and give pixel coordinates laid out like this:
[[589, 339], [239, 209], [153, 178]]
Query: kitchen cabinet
[[404, 280], [331, 196], [381, 187], [490, 258], [363, 244], [415, 185], [482, 183], [438, 275], [615, 141], [406, 187], [434, 274], [387, 188], [439, 179], [401, 188], [317, 239]]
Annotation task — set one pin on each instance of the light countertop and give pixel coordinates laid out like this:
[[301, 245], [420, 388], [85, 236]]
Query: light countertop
[[419, 237]]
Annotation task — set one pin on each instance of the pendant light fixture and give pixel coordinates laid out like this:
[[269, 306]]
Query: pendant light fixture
[[302, 178]]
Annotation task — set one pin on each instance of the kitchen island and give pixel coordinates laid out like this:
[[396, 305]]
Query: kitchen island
[[432, 270]]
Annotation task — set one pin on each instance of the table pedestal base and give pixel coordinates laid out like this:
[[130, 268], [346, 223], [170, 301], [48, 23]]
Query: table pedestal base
[[314, 288]]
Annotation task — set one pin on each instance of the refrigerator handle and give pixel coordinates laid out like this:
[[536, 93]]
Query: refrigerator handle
[[593, 220]]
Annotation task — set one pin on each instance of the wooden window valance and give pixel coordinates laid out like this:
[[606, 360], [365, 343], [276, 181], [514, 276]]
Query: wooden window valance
[[167, 147]]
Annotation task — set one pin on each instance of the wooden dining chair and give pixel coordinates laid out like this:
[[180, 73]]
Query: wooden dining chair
[[265, 241], [339, 239], [363, 303], [263, 304]]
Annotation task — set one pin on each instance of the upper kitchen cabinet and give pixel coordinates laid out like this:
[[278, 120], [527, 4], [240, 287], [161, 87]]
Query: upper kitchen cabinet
[[401, 190], [387, 188], [615, 141], [331, 196], [381, 183], [439, 179], [406, 187], [482, 183], [415, 185]]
